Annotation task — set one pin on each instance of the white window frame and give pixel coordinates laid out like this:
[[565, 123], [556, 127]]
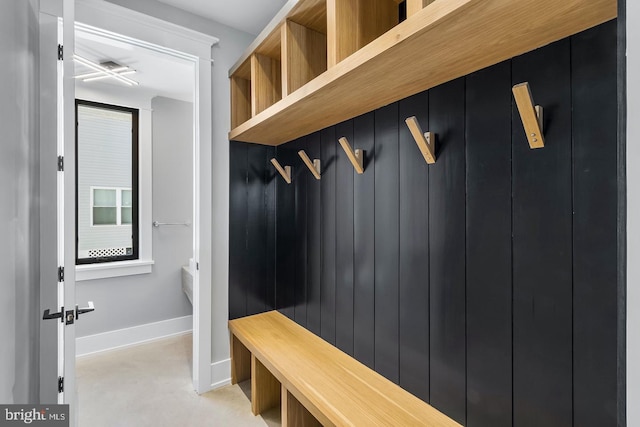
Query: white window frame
[[118, 206]]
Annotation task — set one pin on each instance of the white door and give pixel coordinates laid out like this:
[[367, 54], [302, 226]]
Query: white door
[[67, 200], [59, 26]]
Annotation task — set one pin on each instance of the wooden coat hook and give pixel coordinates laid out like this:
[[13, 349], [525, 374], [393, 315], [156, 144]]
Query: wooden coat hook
[[285, 172], [530, 114], [425, 140], [355, 157], [314, 166]]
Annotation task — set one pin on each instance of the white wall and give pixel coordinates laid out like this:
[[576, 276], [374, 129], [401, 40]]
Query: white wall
[[19, 219], [633, 213], [124, 302], [225, 53]]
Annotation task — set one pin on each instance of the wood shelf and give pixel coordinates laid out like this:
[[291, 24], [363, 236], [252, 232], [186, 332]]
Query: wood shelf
[[241, 95], [444, 40]]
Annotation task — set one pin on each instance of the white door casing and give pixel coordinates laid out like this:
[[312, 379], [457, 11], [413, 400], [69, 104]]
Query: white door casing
[[66, 203]]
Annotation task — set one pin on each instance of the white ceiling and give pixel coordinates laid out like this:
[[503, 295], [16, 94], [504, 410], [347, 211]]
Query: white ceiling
[[158, 74], [250, 16]]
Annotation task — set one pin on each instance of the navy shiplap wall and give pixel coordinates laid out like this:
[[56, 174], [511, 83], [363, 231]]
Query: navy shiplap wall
[[251, 230], [485, 284]]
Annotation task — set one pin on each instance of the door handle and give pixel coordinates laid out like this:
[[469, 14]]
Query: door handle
[[84, 310], [70, 314], [48, 315]]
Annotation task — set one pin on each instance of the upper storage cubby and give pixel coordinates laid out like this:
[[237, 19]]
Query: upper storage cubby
[[241, 95], [353, 24], [320, 62], [304, 45], [266, 74]]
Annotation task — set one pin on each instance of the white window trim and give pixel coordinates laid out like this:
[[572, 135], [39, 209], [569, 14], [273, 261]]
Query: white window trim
[[144, 263], [113, 269]]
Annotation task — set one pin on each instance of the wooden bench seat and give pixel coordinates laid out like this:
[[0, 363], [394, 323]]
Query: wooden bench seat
[[314, 382]]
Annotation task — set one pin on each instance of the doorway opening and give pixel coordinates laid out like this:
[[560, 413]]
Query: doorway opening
[[145, 291]]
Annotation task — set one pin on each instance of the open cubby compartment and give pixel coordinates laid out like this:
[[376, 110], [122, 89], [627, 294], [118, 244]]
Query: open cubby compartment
[[352, 24], [304, 45], [241, 95], [266, 73]]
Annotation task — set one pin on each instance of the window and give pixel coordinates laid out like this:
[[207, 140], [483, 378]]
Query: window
[[111, 206], [106, 183]]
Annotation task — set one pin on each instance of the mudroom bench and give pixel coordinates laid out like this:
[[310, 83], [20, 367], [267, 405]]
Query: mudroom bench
[[314, 382]]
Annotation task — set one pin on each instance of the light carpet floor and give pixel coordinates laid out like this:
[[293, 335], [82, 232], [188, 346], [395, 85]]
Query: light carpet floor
[[150, 385]]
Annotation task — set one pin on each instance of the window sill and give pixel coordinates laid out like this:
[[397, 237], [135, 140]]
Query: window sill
[[113, 269]]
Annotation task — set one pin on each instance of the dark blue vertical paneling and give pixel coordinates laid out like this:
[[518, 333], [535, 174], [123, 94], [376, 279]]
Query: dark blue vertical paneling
[[364, 244], [286, 255], [488, 129], [269, 291], [447, 250], [256, 231], [386, 241], [314, 243], [328, 236], [300, 175], [413, 287], [593, 57], [237, 229], [344, 241], [542, 267]]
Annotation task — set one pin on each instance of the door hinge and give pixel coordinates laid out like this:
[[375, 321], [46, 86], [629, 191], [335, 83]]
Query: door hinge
[[60, 274], [60, 163], [60, 384], [60, 52]]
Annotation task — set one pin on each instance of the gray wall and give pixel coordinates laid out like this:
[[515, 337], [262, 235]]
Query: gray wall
[[633, 213], [19, 219], [128, 301], [225, 53]]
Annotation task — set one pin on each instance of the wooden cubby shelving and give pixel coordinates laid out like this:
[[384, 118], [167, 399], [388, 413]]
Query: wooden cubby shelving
[[241, 95], [304, 45], [320, 62], [266, 74], [353, 24]]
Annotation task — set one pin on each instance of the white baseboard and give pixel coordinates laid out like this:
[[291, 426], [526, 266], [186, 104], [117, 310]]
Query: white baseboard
[[120, 338], [220, 374]]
